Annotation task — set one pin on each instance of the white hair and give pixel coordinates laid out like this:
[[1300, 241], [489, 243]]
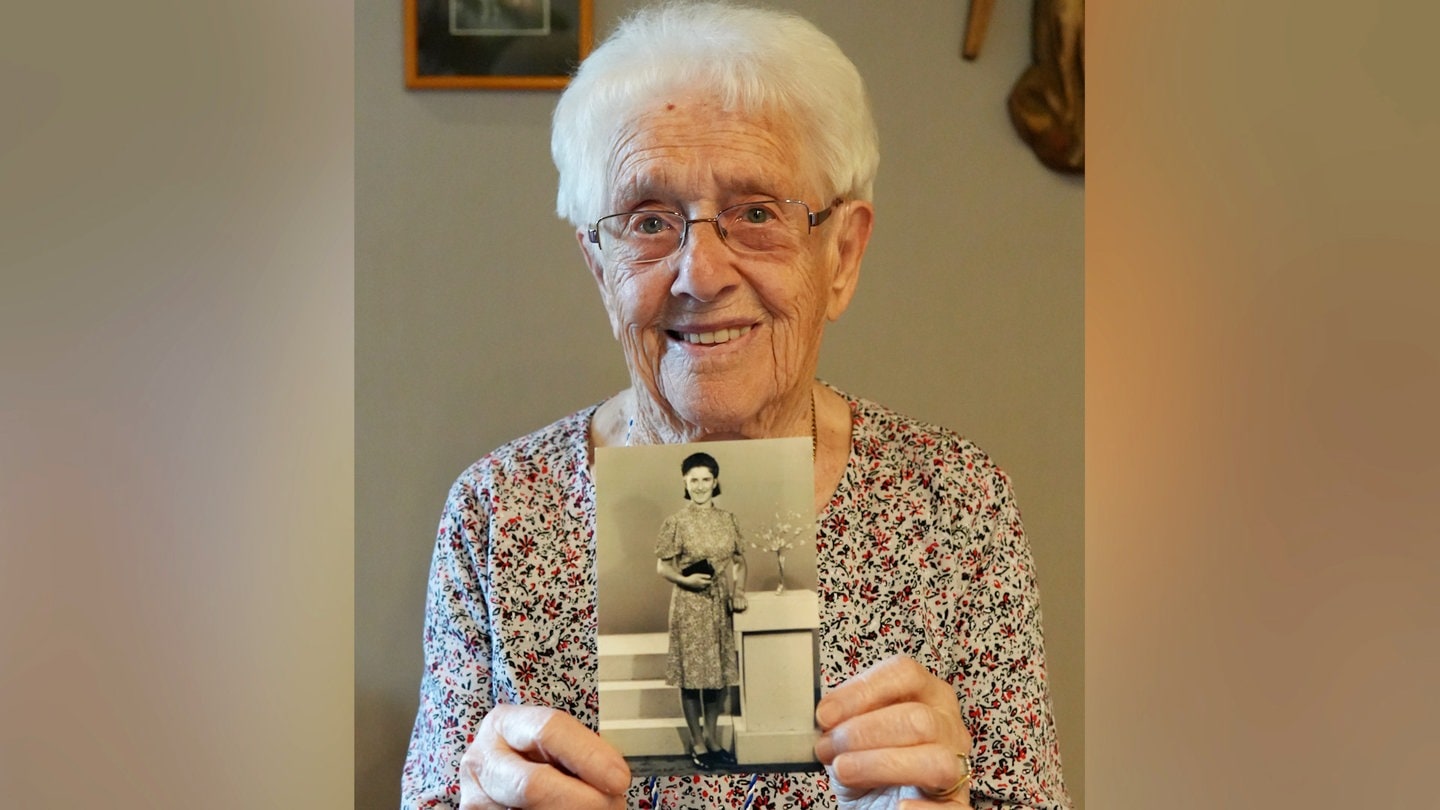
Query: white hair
[[751, 59]]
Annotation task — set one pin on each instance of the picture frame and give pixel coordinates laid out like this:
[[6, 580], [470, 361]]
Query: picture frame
[[495, 44]]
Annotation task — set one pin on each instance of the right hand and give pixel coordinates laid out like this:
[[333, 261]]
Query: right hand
[[696, 582], [538, 757]]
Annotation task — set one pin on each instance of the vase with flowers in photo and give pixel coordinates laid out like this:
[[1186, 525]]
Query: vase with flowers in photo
[[780, 536]]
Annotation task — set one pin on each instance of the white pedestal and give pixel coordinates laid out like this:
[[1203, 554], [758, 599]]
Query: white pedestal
[[777, 677]]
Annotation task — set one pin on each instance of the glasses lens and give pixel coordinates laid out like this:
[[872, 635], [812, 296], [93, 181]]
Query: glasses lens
[[760, 226], [765, 226], [641, 236]]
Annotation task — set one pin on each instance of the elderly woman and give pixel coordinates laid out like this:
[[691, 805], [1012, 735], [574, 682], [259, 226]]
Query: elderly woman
[[717, 164], [699, 551]]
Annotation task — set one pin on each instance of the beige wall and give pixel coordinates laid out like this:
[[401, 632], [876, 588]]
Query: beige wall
[[476, 322]]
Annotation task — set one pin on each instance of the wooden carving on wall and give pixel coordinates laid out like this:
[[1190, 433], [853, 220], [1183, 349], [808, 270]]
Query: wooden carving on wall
[[1047, 104]]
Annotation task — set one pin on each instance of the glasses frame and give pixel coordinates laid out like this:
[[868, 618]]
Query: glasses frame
[[813, 220]]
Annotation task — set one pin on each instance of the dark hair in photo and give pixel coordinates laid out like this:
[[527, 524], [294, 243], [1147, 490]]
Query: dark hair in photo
[[701, 460]]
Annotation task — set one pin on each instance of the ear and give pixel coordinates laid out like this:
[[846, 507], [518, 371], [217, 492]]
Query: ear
[[856, 222], [597, 271]]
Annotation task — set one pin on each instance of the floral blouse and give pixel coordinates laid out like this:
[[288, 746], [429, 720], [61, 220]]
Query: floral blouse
[[920, 551]]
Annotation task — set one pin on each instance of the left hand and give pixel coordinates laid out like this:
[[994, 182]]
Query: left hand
[[738, 603], [890, 739]]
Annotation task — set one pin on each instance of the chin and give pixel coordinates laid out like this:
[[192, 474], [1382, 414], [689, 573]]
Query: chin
[[718, 403], [712, 418], [713, 411]]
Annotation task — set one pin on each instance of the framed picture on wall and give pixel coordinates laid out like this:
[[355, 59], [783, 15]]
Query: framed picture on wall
[[498, 44]]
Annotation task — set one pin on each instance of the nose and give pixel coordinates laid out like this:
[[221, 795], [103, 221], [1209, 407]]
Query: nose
[[704, 268]]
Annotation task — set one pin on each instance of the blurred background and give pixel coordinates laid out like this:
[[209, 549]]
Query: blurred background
[[178, 604]]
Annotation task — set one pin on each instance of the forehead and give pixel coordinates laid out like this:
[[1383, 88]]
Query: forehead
[[701, 470], [688, 147]]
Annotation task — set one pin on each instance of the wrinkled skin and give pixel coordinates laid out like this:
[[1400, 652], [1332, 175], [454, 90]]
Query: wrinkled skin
[[538, 757], [686, 154], [889, 735]]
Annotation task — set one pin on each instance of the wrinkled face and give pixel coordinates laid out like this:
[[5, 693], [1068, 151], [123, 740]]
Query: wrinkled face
[[714, 336], [700, 484]]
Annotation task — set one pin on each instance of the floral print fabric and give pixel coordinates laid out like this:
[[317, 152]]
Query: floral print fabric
[[920, 551], [702, 653]]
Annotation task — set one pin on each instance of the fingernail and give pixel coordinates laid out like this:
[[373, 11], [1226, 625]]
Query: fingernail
[[824, 749], [825, 715]]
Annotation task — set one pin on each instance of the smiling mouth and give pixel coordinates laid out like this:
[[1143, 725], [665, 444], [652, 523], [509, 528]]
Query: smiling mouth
[[709, 338]]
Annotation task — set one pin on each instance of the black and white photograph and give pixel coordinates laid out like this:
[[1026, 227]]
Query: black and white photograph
[[707, 605], [494, 44], [500, 18]]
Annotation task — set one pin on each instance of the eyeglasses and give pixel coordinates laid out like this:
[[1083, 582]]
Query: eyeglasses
[[758, 226]]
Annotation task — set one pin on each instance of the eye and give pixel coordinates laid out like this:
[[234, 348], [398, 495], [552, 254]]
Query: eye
[[756, 215], [649, 224]]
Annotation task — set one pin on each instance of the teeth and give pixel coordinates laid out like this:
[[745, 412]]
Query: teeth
[[720, 336]]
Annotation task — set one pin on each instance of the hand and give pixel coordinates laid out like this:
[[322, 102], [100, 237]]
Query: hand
[[533, 756], [696, 582], [890, 739], [738, 603]]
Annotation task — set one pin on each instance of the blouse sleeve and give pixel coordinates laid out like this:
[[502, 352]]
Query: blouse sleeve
[[1001, 681], [455, 687], [737, 551], [668, 544]]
